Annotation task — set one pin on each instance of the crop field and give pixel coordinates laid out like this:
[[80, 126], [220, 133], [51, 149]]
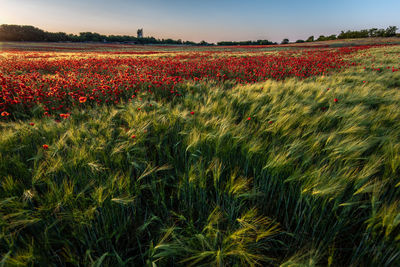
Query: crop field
[[131, 155]]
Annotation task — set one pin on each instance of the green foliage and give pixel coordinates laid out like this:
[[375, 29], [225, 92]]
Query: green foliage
[[296, 185], [327, 38], [285, 41], [30, 33], [220, 242], [310, 39], [374, 32]]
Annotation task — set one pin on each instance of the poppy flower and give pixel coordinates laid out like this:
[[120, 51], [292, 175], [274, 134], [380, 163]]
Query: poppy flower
[[45, 147], [5, 114], [152, 76], [270, 122], [192, 112], [249, 118], [31, 124], [335, 100], [133, 136], [65, 116]]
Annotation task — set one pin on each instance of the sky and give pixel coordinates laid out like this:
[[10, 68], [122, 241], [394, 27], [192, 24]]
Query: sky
[[212, 21]]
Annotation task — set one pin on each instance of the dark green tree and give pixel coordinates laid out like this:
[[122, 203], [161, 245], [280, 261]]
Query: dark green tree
[[285, 41]]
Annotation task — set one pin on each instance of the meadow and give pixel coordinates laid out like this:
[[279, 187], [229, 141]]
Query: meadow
[[200, 156]]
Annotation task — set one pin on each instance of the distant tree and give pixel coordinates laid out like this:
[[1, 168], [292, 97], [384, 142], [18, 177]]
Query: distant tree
[[372, 32], [264, 42], [258, 42], [380, 33], [300, 41], [189, 43], [56, 37], [331, 37], [354, 34], [285, 41], [391, 31], [342, 35], [310, 39], [91, 37], [21, 33], [203, 43], [321, 38]]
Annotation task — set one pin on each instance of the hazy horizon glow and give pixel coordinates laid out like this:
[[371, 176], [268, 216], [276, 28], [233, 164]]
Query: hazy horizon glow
[[207, 20]]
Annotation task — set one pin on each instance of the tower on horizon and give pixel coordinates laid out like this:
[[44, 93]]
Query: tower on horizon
[[140, 33]]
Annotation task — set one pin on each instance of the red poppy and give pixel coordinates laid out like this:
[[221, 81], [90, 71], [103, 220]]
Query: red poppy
[[192, 112], [65, 116], [45, 147], [249, 118], [270, 122], [336, 100], [163, 75], [5, 114], [31, 124], [133, 136]]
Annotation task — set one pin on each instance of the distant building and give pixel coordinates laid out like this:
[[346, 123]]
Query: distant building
[[140, 33]]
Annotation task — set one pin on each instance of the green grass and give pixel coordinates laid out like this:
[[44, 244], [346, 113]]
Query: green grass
[[294, 186]]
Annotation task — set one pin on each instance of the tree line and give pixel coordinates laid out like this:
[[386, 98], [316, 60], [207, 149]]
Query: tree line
[[32, 34], [258, 42], [16, 33], [374, 32]]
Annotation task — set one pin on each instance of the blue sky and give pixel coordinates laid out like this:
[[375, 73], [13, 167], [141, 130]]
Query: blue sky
[[203, 19]]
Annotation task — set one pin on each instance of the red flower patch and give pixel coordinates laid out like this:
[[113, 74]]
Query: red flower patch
[[109, 79]]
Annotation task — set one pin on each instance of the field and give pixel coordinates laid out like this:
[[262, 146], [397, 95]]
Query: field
[[200, 156]]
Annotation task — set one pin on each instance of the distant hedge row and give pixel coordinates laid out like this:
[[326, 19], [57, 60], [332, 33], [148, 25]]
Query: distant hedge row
[[374, 32], [33, 34]]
